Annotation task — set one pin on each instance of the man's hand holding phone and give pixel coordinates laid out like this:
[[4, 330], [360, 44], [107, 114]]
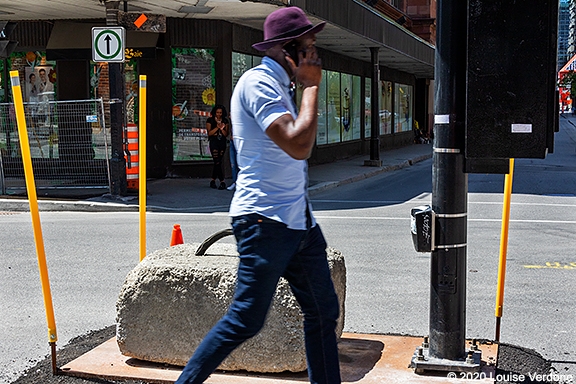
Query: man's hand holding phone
[[304, 62]]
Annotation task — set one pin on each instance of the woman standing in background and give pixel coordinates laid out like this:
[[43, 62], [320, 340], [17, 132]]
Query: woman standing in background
[[218, 127]]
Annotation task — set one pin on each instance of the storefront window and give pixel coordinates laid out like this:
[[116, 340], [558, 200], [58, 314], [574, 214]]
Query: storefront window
[[38, 85], [322, 133], [356, 107], [368, 108], [403, 107], [333, 106], [131, 89], [2, 87], [350, 98], [37, 74], [241, 63], [99, 89], [339, 107], [346, 113], [386, 107], [193, 96], [4, 130]]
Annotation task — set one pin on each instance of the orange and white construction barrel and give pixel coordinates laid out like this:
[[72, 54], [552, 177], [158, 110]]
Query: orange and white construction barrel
[[131, 155]]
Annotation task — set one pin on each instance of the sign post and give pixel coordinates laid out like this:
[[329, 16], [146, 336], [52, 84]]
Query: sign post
[[115, 44]]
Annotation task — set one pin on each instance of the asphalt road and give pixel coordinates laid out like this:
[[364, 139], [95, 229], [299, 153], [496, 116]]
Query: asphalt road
[[89, 255], [390, 289]]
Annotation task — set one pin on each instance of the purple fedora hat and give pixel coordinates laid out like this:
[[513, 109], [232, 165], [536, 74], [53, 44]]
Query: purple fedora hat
[[286, 24]]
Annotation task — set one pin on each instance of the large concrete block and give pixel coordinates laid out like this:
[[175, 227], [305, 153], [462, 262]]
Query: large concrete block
[[172, 299]]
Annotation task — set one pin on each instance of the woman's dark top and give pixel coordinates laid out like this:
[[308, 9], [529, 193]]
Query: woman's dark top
[[218, 139]]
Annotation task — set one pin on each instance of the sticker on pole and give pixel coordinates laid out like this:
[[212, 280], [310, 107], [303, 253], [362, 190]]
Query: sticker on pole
[[108, 44], [521, 128]]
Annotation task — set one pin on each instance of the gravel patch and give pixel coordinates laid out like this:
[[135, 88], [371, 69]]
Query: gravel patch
[[42, 372]]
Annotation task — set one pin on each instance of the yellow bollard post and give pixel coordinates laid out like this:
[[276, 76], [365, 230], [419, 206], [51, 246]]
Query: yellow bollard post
[[503, 247], [34, 212], [142, 161]]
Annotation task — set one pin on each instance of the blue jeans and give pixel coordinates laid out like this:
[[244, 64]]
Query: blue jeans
[[268, 250], [233, 161]]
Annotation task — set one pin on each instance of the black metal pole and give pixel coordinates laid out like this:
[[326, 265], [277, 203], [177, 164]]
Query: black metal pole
[[55, 369], [450, 185], [375, 112], [116, 84]]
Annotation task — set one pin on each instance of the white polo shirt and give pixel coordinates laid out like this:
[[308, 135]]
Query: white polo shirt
[[270, 182]]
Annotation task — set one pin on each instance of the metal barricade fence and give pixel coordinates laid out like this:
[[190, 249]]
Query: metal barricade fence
[[69, 144]]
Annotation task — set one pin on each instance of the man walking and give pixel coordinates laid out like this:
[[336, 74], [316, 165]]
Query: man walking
[[272, 219]]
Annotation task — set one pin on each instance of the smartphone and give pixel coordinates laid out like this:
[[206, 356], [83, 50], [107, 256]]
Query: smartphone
[[292, 50]]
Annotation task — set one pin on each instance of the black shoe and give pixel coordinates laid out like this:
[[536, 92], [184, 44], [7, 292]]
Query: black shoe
[[213, 184], [222, 185]]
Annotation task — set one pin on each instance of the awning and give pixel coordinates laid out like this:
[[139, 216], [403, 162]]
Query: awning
[[73, 41], [353, 27]]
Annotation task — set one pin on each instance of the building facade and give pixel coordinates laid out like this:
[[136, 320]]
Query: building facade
[[197, 61], [563, 33]]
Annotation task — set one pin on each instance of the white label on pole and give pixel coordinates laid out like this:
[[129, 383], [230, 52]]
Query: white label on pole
[[521, 128], [91, 118], [441, 119], [108, 44]]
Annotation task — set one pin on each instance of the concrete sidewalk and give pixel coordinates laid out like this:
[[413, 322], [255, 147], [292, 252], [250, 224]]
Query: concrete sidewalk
[[194, 195]]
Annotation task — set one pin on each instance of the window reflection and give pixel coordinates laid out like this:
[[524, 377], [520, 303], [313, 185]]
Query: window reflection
[[403, 107], [333, 106], [193, 95], [368, 108], [2, 88], [356, 112], [385, 112], [322, 134]]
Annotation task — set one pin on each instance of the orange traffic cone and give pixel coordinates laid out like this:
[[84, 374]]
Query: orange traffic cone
[[176, 236]]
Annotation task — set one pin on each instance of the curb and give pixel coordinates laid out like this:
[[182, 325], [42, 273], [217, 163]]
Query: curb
[[326, 185], [59, 206], [122, 204]]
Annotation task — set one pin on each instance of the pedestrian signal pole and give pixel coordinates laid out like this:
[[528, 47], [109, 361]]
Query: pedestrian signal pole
[[449, 185], [444, 349]]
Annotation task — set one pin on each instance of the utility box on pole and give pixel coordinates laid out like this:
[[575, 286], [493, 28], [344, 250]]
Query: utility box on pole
[[511, 103]]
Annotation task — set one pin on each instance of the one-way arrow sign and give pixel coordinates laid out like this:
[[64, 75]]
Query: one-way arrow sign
[[108, 38], [108, 44]]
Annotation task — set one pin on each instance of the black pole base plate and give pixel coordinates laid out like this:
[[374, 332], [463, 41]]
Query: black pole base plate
[[422, 361]]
